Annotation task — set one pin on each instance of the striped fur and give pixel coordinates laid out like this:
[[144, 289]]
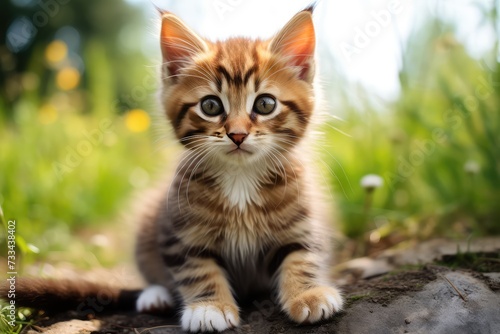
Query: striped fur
[[239, 218]]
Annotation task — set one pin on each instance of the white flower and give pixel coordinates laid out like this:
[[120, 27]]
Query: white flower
[[472, 167], [371, 181]]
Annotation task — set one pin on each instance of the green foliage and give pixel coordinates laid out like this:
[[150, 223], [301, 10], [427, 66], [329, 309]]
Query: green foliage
[[23, 318], [437, 147], [71, 154], [481, 261], [74, 172], [92, 20]]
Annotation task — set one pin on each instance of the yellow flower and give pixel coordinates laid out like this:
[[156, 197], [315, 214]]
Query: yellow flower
[[47, 114], [68, 78], [56, 51], [137, 120]]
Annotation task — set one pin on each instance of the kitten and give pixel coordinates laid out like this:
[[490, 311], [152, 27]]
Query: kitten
[[240, 215]]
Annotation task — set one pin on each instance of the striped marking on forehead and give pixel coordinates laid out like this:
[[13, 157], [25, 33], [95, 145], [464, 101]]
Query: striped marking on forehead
[[236, 65], [238, 79]]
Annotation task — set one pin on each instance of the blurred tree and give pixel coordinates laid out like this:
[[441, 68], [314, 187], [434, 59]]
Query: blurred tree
[[29, 26]]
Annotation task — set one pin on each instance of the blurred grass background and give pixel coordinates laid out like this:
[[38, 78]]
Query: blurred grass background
[[78, 139]]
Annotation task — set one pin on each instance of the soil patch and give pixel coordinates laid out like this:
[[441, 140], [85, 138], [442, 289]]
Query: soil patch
[[382, 290], [264, 316]]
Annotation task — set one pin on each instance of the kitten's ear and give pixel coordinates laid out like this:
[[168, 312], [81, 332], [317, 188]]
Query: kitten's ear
[[178, 43], [297, 41]]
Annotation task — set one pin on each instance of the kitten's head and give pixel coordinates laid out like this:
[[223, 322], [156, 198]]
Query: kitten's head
[[239, 99]]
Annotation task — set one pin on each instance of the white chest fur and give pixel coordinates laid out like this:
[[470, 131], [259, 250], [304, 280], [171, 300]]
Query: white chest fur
[[241, 186]]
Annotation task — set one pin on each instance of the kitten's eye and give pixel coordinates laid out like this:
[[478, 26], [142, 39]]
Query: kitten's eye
[[264, 104], [212, 106]]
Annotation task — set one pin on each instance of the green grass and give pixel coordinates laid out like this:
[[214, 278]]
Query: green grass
[[23, 317], [47, 204], [355, 298], [482, 262], [445, 118], [12, 319]]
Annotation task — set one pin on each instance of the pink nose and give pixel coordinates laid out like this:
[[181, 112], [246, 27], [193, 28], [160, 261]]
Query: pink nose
[[237, 138]]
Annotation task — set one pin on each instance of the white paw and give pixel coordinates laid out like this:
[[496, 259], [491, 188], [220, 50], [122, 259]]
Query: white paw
[[153, 299], [314, 305], [209, 317]]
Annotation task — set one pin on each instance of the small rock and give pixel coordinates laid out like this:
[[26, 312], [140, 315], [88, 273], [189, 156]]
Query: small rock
[[407, 321], [493, 276], [435, 309]]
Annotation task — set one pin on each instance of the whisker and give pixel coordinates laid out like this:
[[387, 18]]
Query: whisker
[[293, 170], [208, 153], [284, 176], [198, 152], [332, 172], [337, 129], [185, 159]]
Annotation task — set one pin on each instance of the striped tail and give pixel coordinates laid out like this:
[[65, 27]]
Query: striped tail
[[54, 296]]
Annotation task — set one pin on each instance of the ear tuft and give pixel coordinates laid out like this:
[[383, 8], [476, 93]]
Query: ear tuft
[[178, 43], [310, 8], [297, 42], [161, 11]]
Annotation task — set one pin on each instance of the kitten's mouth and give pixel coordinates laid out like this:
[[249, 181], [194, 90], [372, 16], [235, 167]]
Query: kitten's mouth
[[239, 151]]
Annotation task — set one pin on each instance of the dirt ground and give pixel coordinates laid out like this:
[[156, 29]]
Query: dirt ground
[[264, 316]]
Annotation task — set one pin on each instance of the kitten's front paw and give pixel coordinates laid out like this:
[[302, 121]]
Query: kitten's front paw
[[209, 317], [154, 299], [314, 305]]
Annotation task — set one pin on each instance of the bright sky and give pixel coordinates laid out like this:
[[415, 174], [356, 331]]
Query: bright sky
[[362, 38]]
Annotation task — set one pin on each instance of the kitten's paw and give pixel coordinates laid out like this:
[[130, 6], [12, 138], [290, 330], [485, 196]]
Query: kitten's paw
[[314, 305], [154, 299], [209, 317]]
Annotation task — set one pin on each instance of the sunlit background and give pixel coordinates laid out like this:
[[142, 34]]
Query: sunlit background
[[412, 88]]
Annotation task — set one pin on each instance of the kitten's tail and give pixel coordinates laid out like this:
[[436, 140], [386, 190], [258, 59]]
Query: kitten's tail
[[67, 295]]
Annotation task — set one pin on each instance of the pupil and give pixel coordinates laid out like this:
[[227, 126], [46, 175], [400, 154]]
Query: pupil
[[211, 106], [265, 104]]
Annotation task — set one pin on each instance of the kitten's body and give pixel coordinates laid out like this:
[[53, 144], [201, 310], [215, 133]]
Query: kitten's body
[[243, 233], [242, 213]]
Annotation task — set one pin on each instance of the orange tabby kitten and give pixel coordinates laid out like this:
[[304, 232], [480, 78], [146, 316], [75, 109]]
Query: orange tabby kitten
[[240, 215]]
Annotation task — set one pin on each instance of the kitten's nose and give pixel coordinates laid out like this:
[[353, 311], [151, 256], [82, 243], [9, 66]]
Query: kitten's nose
[[237, 138]]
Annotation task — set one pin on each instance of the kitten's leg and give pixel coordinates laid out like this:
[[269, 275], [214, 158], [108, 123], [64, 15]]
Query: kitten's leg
[[208, 302], [154, 299], [304, 291], [157, 297]]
